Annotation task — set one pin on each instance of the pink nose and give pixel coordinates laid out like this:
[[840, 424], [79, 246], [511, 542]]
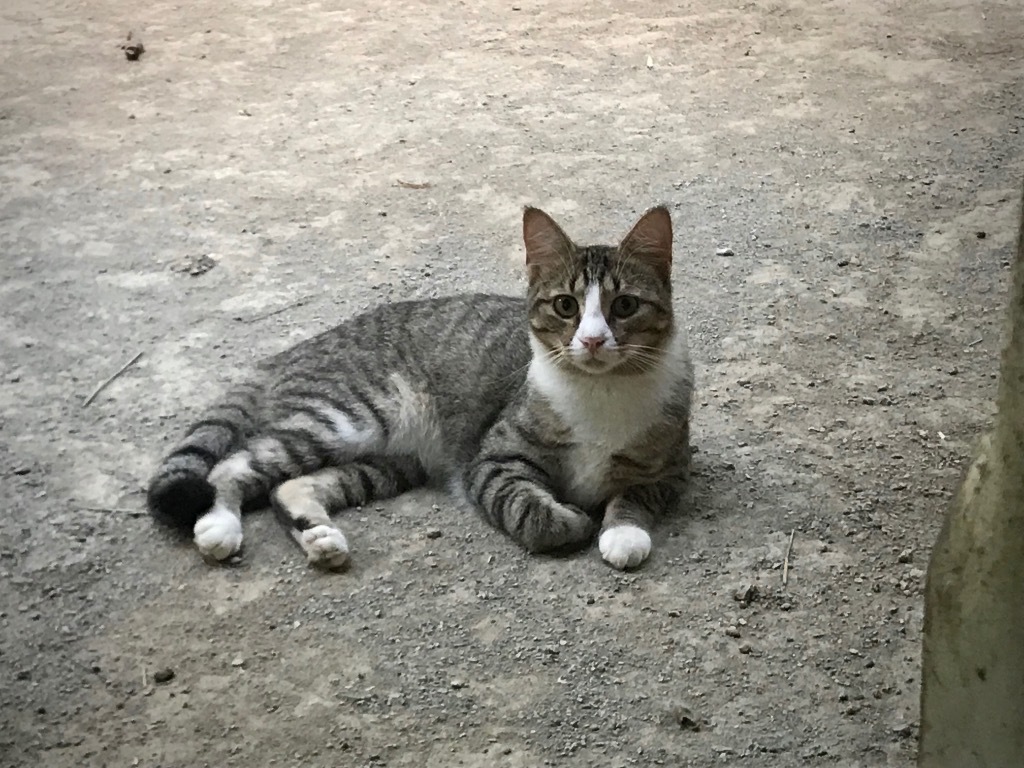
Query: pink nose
[[592, 343]]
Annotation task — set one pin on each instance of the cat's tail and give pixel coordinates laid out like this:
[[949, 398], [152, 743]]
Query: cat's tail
[[179, 492]]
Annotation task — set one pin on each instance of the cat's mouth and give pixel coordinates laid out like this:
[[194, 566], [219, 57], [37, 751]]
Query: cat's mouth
[[599, 362]]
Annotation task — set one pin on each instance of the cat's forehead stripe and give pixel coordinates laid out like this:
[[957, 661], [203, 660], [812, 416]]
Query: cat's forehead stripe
[[595, 265]]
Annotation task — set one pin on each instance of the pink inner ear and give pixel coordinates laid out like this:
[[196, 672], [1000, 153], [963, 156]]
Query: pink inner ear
[[545, 241]]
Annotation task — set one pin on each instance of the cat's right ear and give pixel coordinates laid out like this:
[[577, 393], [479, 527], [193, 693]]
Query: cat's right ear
[[546, 243]]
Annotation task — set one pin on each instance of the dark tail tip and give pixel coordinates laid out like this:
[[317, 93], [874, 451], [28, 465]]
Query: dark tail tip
[[178, 499]]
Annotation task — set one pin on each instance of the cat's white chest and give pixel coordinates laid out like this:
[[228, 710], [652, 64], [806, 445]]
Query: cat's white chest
[[589, 463], [605, 416]]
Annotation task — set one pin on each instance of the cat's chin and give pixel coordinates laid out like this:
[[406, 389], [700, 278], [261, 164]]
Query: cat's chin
[[593, 366]]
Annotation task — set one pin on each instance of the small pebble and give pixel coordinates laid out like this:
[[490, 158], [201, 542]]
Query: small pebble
[[746, 648], [164, 675], [238, 661], [724, 252], [685, 718], [906, 556], [745, 594], [903, 730], [434, 534], [732, 631]]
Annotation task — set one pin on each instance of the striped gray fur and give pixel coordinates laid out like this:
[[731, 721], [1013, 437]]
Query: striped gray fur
[[553, 416]]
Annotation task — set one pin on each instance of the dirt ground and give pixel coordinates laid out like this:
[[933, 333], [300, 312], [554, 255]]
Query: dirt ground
[[261, 172]]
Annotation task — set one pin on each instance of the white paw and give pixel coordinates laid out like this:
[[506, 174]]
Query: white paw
[[218, 534], [625, 546], [326, 546]]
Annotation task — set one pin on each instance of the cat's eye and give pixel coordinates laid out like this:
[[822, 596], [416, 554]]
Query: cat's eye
[[565, 306], [625, 306]]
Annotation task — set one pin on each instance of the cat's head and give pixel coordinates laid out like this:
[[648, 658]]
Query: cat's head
[[600, 309]]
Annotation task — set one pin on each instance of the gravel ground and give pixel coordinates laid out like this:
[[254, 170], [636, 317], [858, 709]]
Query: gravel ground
[[843, 177]]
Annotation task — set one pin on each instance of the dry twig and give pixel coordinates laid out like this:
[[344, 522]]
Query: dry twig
[[114, 511], [278, 311], [108, 382], [785, 561]]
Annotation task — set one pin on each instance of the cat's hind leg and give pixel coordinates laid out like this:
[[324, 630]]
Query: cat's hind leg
[[245, 478], [238, 481], [304, 504], [305, 439]]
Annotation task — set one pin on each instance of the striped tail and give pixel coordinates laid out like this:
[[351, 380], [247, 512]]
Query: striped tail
[[179, 492]]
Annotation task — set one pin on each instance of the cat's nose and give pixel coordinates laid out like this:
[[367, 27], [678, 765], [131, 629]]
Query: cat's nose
[[592, 343]]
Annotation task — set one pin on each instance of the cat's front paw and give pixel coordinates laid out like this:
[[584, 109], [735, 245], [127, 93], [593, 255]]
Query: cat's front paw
[[553, 526], [325, 546], [218, 534], [624, 546]]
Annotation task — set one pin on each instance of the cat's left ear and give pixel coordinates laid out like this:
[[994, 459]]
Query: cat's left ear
[[650, 241]]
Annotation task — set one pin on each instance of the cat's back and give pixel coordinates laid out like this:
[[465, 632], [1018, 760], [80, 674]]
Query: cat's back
[[449, 338]]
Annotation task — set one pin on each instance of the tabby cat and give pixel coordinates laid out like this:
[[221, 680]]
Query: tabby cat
[[550, 416]]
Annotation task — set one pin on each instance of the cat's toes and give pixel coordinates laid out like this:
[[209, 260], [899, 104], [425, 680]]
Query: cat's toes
[[325, 546], [624, 546], [575, 525], [555, 527], [218, 534]]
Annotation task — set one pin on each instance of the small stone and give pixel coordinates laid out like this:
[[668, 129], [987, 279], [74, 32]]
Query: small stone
[[732, 631], [906, 556], [457, 685], [746, 648], [164, 675], [724, 252], [434, 533], [22, 470], [133, 48], [981, 234], [903, 730], [685, 719], [746, 594], [238, 661]]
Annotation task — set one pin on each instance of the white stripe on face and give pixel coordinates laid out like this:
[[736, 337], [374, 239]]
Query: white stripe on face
[[592, 322]]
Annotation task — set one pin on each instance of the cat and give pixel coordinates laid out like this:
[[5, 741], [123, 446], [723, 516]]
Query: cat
[[552, 416]]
